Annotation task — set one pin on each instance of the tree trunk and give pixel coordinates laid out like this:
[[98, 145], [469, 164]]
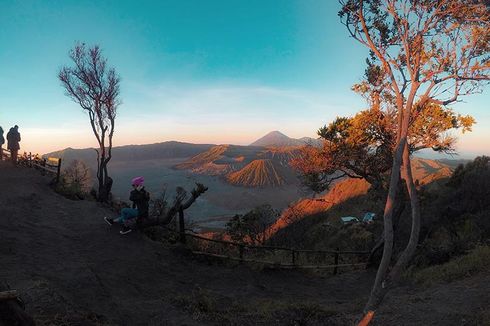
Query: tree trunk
[[397, 213], [409, 251], [378, 291], [380, 287], [105, 182], [377, 295]]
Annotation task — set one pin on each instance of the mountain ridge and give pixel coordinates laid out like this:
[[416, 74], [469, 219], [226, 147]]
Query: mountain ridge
[[278, 139], [168, 149]]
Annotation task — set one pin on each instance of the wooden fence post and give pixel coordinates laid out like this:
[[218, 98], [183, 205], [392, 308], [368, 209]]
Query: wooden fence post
[[181, 226], [58, 171], [43, 171], [336, 261], [293, 257], [240, 252], [29, 163]]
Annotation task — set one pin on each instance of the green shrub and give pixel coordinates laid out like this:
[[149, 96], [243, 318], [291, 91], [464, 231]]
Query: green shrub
[[474, 262]]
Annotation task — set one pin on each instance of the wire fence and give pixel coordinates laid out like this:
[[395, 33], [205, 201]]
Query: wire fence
[[278, 257]]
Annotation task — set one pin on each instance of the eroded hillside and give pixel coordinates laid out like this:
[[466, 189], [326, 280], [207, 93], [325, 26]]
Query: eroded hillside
[[248, 166], [425, 171]]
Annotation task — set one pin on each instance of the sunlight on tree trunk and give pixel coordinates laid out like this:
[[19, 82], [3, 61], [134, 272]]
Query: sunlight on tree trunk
[[422, 53]]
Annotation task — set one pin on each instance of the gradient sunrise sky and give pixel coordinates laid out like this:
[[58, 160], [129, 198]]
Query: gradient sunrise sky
[[197, 71]]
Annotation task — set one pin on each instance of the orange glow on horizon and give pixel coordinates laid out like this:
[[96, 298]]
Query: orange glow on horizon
[[37, 140]]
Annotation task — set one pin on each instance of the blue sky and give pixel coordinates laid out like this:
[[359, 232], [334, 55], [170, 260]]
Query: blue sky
[[198, 71]]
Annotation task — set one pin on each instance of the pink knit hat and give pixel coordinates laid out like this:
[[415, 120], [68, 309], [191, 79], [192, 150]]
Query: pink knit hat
[[138, 181]]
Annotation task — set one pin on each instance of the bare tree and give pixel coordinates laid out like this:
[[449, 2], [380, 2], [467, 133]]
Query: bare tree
[[426, 52], [163, 214], [95, 87]]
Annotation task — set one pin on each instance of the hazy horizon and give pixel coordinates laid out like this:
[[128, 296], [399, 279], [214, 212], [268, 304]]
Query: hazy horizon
[[426, 153]]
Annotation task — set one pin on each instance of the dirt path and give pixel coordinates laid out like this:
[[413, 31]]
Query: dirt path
[[68, 264], [73, 269]]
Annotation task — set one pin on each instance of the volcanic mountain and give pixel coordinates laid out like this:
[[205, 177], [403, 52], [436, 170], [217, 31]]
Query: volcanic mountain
[[259, 172], [278, 139], [249, 166], [264, 163]]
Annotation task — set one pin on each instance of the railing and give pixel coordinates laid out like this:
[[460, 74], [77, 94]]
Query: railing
[[292, 256], [6, 153], [46, 165]]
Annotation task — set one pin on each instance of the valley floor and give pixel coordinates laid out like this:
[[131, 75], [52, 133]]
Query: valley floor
[[73, 269]]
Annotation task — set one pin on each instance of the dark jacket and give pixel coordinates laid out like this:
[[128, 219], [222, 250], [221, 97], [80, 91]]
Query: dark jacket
[[140, 199], [2, 139], [13, 139]]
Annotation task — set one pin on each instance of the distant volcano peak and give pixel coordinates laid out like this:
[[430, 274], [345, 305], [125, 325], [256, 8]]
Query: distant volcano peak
[[276, 133], [276, 138]]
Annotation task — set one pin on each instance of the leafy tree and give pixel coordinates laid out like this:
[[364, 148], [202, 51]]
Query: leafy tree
[[252, 227], [236, 228], [362, 146], [95, 87], [421, 52]]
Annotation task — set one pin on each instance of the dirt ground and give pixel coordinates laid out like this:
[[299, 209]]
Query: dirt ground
[[73, 269]]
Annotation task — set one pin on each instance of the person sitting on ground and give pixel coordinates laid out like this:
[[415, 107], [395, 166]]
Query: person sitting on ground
[[140, 198], [2, 141], [13, 139]]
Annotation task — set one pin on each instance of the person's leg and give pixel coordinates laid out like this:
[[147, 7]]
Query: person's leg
[[129, 213], [121, 215], [14, 156], [126, 214]]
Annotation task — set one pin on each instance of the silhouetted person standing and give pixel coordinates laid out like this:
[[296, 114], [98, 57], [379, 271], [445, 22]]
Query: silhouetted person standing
[[2, 141], [13, 139]]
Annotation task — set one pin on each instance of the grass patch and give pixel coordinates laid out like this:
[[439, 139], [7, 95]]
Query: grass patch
[[474, 262], [204, 306], [483, 317], [199, 304]]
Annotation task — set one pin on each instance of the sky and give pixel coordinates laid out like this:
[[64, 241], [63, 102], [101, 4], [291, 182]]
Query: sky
[[216, 71]]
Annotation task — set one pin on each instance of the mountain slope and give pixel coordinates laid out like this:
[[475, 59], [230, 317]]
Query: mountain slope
[[220, 155], [257, 173], [427, 171], [424, 171], [248, 166]]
